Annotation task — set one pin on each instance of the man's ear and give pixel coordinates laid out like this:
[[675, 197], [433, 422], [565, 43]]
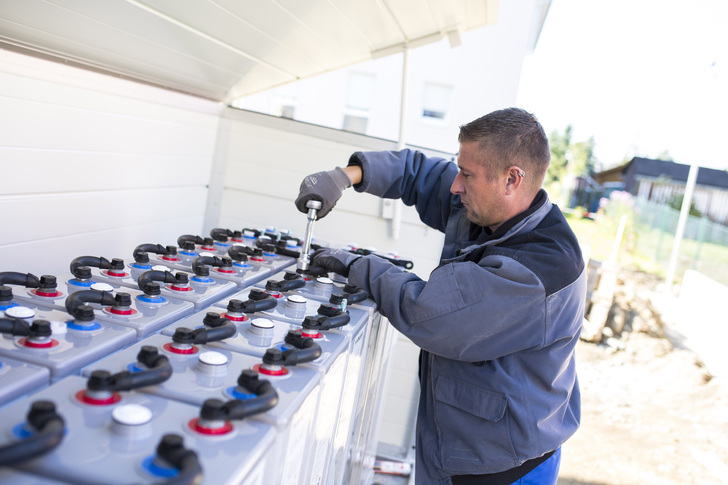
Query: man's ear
[[515, 178]]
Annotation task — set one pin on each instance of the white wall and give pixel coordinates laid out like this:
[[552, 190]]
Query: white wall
[[484, 72], [95, 165], [259, 167]]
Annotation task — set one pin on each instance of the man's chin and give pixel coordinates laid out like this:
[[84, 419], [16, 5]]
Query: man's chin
[[472, 218]]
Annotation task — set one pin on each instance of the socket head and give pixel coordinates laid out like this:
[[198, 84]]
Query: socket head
[[314, 204]]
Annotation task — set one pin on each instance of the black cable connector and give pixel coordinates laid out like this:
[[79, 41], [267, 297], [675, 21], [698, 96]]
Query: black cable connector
[[93, 261], [48, 427], [266, 398], [258, 301], [238, 253], [151, 276], [328, 317], [158, 370], [203, 335], [76, 300], [172, 451], [202, 261], [285, 285], [19, 279], [18, 327], [306, 350], [152, 248], [354, 294]]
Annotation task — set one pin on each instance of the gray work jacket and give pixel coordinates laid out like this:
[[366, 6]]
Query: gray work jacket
[[497, 323]]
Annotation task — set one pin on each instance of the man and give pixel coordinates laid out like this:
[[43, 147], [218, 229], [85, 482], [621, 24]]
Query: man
[[498, 320]]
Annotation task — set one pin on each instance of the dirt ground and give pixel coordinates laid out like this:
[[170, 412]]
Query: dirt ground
[[651, 414]]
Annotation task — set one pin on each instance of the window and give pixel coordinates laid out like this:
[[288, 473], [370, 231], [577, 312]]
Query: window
[[359, 96], [287, 111], [436, 101], [284, 101], [357, 124]]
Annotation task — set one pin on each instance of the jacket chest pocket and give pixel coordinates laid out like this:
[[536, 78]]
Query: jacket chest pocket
[[472, 428]]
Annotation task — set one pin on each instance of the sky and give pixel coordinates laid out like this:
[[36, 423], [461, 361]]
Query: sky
[[643, 77]]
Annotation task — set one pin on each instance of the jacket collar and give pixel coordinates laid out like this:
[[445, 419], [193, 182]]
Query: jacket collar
[[526, 220]]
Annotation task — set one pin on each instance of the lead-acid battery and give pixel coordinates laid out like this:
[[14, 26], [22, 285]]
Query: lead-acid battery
[[201, 372], [54, 339], [115, 440], [256, 334]]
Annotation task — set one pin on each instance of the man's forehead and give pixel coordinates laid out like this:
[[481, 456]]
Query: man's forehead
[[471, 156]]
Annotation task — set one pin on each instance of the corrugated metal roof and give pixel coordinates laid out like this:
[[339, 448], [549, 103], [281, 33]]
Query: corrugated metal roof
[[222, 49]]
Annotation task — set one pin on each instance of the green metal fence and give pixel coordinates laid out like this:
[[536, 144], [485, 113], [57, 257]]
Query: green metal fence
[[704, 246]]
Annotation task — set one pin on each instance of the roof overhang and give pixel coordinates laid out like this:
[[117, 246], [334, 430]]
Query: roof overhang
[[223, 49]]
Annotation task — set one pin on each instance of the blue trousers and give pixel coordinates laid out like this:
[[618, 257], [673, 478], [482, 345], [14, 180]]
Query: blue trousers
[[545, 474]]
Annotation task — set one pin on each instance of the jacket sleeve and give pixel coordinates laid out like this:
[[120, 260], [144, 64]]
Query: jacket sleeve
[[465, 311], [411, 176]]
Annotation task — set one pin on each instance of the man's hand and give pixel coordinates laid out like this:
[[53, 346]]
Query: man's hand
[[336, 261], [325, 187]]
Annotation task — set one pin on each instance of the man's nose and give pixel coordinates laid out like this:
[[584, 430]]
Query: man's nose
[[457, 185]]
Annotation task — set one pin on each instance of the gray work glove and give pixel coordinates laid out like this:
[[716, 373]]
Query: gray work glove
[[336, 261], [326, 187]]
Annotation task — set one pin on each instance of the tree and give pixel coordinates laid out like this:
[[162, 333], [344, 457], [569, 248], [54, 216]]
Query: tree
[[560, 144], [676, 202], [582, 157], [664, 156], [568, 160], [568, 157]]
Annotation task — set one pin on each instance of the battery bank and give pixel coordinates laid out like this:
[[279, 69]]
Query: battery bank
[[131, 307], [353, 451], [258, 333], [201, 372], [114, 441]]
